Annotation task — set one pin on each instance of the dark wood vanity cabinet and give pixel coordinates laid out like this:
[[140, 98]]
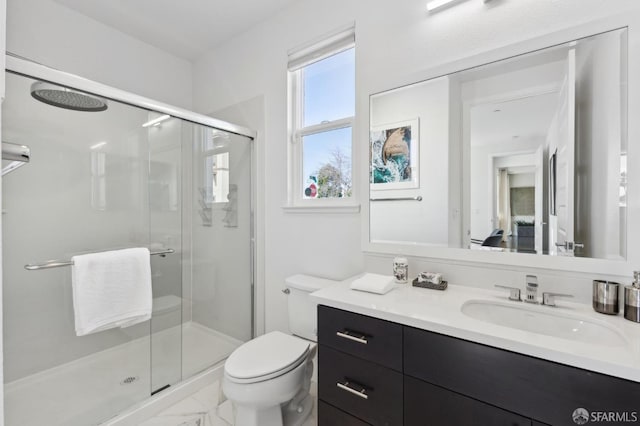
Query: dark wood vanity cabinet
[[375, 372], [427, 404], [360, 367], [332, 416], [364, 337]]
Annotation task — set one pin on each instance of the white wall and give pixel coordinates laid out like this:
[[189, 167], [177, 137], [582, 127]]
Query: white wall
[[255, 65], [395, 40], [522, 180], [495, 85], [426, 221], [599, 119], [484, 160], [3, 39], [51, 34], [3, 42], [46, 32], [456, 218]]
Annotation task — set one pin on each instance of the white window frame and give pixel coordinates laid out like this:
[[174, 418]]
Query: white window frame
[[298, 59]]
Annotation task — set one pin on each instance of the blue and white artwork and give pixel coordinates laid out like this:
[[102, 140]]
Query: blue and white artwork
[[394, 155]]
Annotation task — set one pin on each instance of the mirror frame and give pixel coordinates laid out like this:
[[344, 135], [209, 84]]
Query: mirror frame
[[619, 268]]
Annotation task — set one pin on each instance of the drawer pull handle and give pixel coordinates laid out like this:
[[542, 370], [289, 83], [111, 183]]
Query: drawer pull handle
[[347, 386], [349, 335]]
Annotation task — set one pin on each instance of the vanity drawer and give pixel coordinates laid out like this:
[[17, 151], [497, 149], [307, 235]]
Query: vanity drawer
[[543, 390], [426, 404], [328, 415], [366, 390], [365, 337]]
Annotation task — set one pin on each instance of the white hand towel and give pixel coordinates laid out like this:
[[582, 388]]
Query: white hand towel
[[373, 283], [111, 289]]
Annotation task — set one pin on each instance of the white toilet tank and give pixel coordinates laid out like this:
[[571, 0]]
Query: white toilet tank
[[303, 320]]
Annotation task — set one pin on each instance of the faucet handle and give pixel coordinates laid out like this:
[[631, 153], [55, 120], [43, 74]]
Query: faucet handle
[[549, 298], [514, 292]]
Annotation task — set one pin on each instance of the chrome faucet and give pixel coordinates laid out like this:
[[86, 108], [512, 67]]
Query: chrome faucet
[[532, 289], [549, 298]]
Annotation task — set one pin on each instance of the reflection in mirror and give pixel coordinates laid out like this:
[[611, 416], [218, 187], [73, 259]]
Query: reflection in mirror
[[526, 154]]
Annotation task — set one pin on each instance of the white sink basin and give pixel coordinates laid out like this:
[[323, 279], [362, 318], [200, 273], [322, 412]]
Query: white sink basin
[[544, 320]]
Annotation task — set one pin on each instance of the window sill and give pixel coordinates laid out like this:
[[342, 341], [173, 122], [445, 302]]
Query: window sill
[[323, 209]]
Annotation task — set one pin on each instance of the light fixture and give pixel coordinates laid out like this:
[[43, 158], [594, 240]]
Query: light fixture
[[434, 5], [156, 121], [98, 145]]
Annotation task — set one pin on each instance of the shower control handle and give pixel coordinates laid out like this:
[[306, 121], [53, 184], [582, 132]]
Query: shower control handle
[[350, 335]]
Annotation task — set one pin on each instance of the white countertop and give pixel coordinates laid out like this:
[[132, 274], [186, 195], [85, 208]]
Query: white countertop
[[440, 312]]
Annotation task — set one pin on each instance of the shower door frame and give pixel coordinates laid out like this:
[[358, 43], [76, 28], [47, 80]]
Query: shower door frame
[[25, 67], [31, 69]]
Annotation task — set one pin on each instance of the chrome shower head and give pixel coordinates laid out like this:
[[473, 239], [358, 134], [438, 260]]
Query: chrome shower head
[[66, 98]]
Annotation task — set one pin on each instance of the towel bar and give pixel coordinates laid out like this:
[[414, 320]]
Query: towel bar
[[418, 198], [59, 263]]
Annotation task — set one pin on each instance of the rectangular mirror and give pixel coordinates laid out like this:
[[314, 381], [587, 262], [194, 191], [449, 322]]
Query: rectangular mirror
[[527, 154]]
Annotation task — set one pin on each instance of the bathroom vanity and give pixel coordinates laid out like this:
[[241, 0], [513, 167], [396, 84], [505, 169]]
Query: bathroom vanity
[[419, 357], [468, 356]]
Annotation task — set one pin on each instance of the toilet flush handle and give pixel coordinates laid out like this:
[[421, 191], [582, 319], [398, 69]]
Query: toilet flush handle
[[286, 291]]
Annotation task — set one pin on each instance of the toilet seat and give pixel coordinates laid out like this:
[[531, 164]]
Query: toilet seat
[[266, 357]]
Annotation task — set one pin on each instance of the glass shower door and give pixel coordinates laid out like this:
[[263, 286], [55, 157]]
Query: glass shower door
[[218, 315], [118, 177], [165, 230], [86, 189]]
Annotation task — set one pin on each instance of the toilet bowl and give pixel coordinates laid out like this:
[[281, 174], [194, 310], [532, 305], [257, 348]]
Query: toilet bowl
[[268, 378]]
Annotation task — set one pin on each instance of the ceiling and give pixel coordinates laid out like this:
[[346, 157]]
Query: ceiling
[[186, 28], [524, 118]]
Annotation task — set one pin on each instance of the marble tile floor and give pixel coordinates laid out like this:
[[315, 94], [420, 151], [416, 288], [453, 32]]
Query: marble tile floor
[[208, 407]]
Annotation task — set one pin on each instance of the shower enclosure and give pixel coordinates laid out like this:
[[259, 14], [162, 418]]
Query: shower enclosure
[[103, 172]]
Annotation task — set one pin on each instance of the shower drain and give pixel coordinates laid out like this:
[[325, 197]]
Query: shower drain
[[129, 380]]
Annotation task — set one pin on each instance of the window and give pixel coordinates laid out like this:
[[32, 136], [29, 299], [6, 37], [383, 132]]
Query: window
[[217, 166], [216, 169], [322, 106]]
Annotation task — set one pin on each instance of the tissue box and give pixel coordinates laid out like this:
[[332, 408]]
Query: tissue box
[[430, 280]]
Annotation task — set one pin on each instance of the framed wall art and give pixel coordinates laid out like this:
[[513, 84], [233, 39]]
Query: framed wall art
[[394, 155]]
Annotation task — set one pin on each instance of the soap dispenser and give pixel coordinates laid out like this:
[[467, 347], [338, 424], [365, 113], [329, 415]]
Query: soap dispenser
[[632, 299]]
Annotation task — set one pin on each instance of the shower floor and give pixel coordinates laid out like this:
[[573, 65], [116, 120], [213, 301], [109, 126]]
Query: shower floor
[[92, 389]]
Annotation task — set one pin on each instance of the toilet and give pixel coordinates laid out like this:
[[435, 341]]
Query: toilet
[[267, 379]]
